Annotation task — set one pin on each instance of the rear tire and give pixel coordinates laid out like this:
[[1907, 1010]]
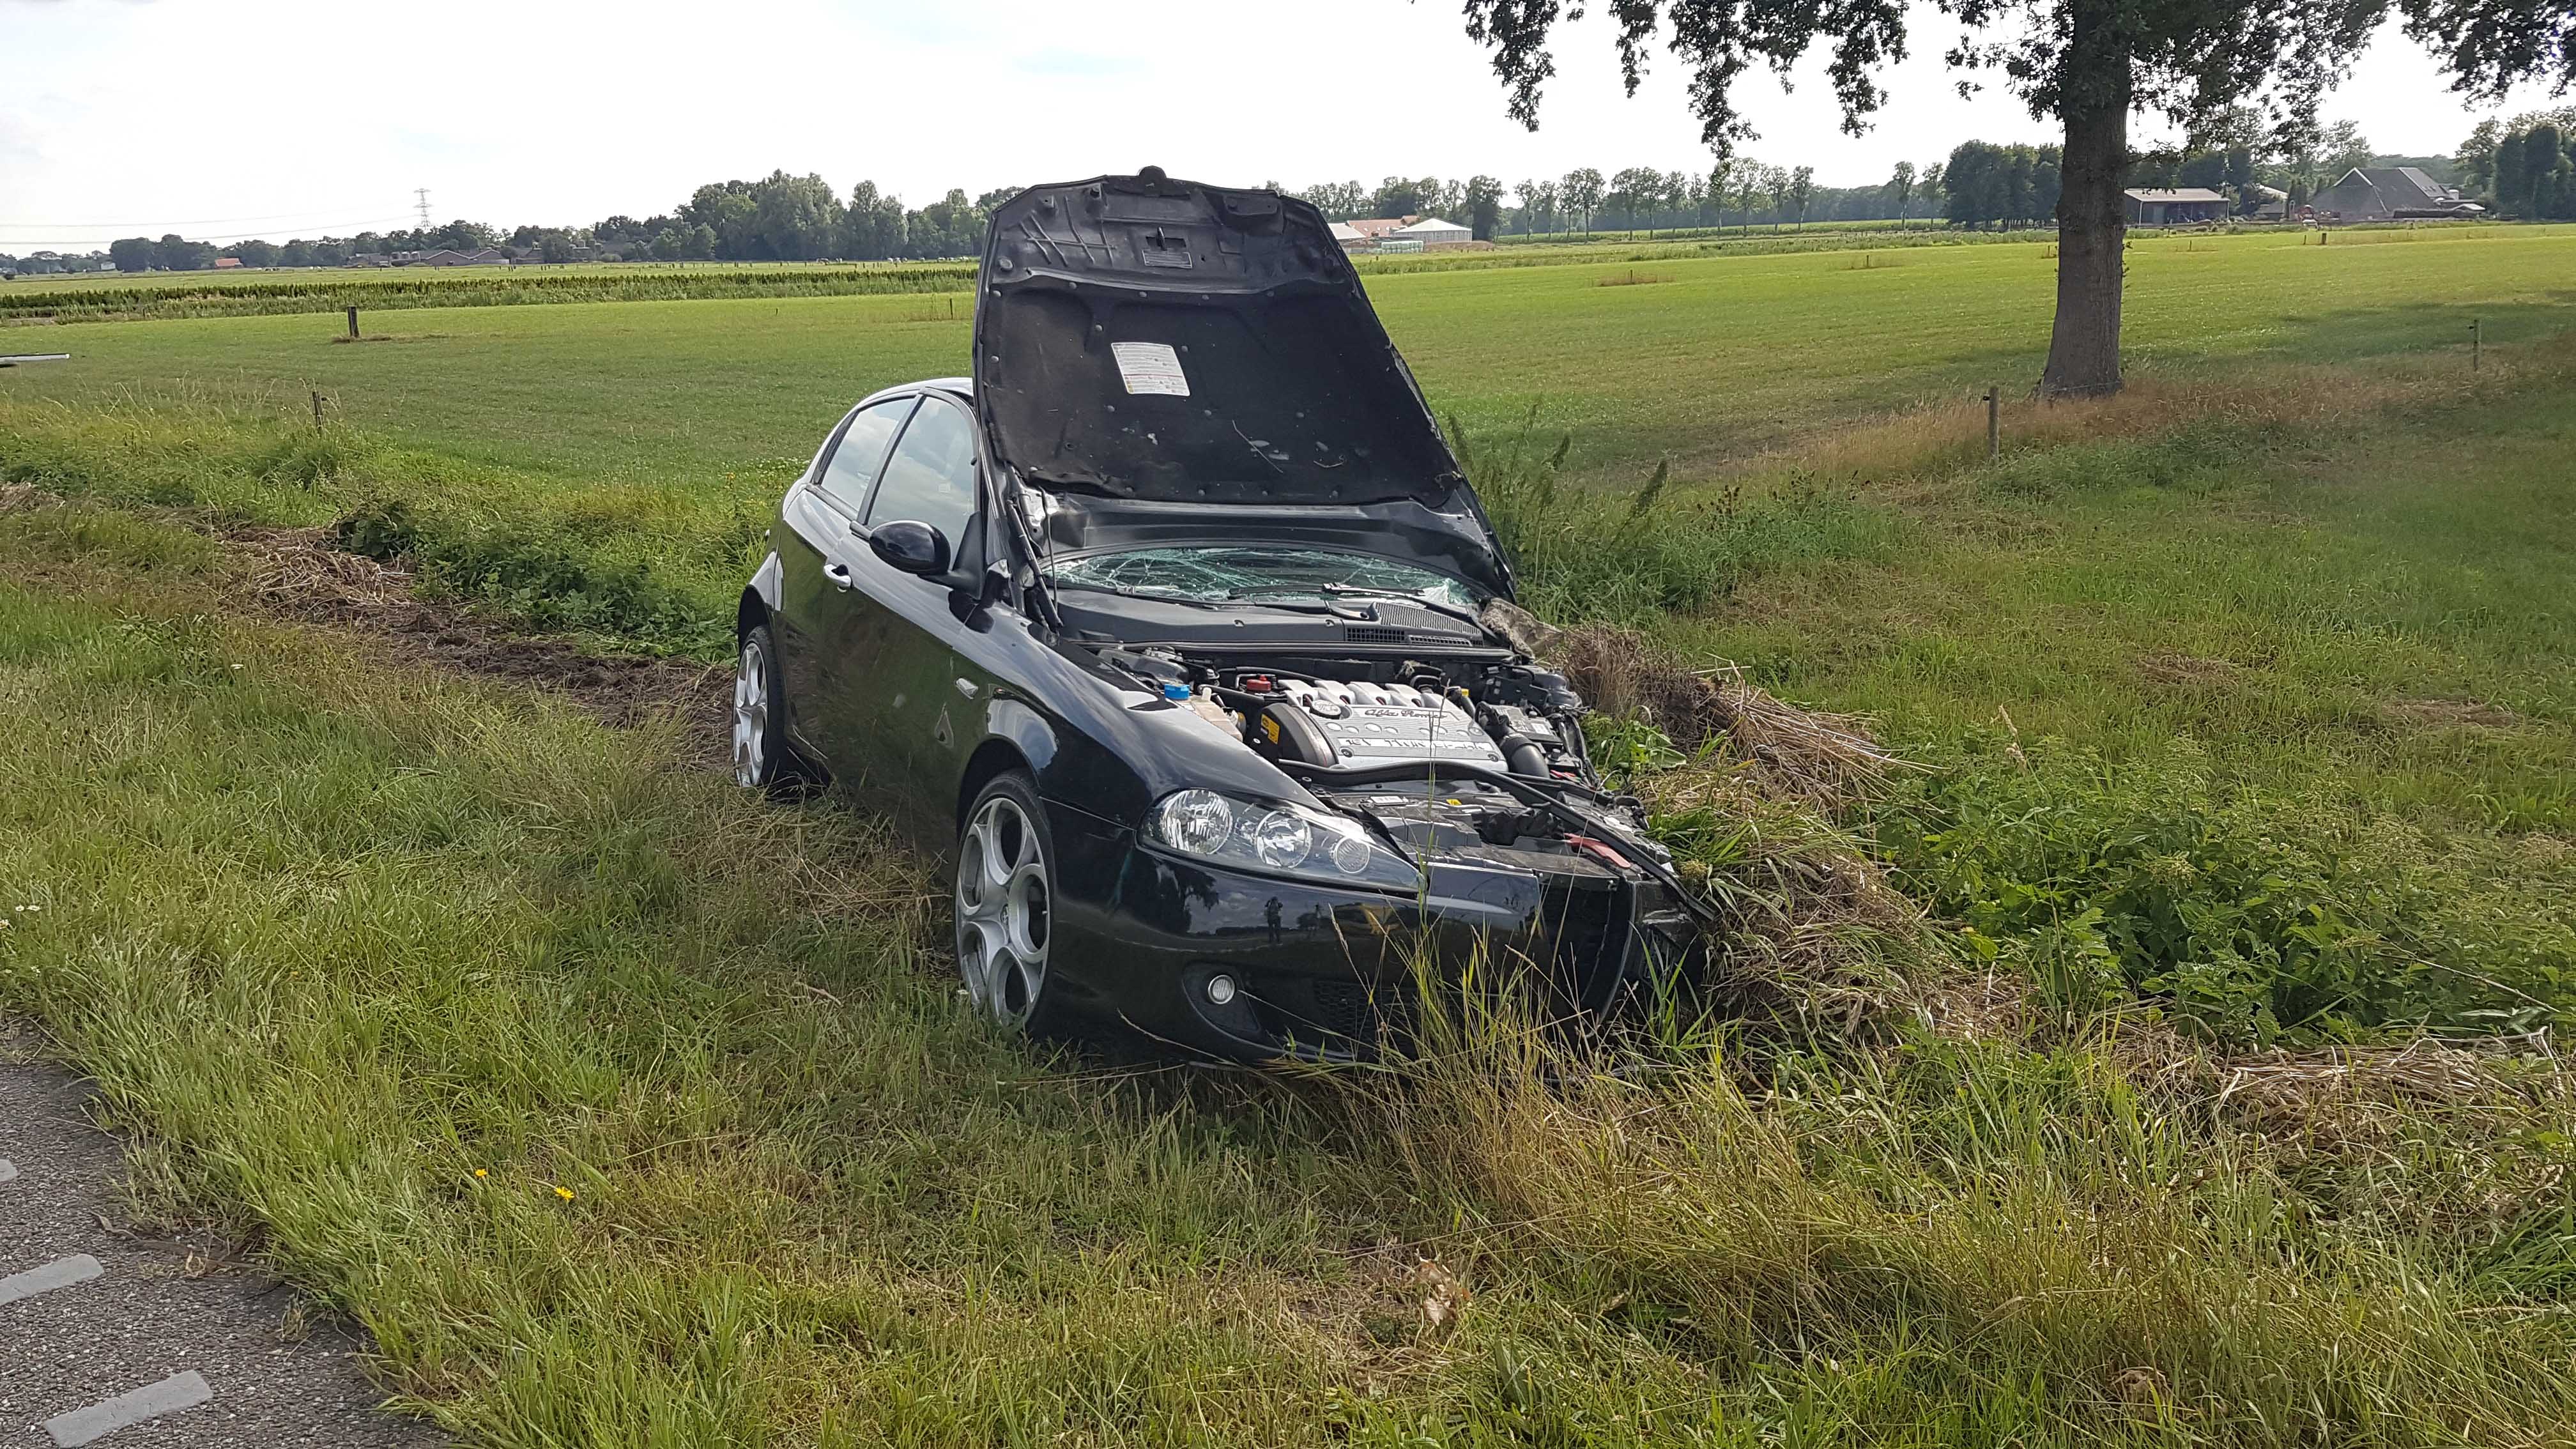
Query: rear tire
[[1005, 900]]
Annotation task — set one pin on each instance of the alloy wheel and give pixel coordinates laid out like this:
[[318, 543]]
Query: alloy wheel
[[751, 716], [1003, 906]]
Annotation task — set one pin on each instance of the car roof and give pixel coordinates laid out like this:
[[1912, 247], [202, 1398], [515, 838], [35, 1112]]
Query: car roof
[[962, 386]]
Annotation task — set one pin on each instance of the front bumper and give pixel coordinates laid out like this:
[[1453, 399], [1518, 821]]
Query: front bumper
[[1320, 972]]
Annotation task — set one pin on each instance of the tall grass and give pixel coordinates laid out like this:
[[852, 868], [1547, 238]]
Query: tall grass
[[1584, 554], [2252, 916], [621, 1110], [1980, 1241], [651, 567]]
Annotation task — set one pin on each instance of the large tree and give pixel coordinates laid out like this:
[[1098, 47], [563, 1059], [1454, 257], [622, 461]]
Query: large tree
[[1581, 192], [1484, 207], [2089, 63]]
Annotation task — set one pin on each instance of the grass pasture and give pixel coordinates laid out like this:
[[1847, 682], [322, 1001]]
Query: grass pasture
[[624, 1111], [1731, 356]]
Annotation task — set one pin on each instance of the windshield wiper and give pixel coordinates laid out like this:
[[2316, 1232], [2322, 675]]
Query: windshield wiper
[[1088, 587], [1285, 606], [1296, 606], [1434, 605]]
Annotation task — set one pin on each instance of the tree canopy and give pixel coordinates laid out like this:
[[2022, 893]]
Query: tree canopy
[[2088, 63]]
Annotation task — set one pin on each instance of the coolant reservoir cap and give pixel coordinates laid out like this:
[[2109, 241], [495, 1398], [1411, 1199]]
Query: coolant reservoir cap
[[1176, 691]]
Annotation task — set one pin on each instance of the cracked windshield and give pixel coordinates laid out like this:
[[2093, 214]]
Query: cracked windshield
[[1274, 573]]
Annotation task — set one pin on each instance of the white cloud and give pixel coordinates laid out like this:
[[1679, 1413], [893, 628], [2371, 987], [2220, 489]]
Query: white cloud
[[277, 116]]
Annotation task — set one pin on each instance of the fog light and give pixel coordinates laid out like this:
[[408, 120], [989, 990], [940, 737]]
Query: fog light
[[1220, 990]]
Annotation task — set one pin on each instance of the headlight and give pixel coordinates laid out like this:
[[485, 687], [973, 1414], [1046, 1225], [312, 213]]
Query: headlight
[[1275, 836]]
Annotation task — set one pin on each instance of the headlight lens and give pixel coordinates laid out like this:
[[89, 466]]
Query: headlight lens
[[1289, 839], [1198, 821], [1280, 839]]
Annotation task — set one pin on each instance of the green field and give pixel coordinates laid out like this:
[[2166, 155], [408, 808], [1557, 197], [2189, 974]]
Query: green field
[[1705, 360], [2215, 1102]]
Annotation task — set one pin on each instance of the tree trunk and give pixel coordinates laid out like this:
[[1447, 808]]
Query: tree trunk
[[2092, 220]]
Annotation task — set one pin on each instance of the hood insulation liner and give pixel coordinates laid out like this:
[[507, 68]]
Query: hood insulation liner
[[1253, 369]]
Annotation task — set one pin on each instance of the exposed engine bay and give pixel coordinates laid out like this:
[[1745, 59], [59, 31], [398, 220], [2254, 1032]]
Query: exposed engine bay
[[1473, 769], [1510, 718]]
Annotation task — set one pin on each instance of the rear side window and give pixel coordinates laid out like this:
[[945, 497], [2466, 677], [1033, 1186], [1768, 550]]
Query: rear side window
[[862, 449], [931, 478]]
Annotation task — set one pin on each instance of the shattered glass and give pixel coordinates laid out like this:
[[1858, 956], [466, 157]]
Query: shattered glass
[[1267, 571]]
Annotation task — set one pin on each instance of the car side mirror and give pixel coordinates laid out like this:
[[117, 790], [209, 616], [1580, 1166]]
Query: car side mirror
[[915, 548]]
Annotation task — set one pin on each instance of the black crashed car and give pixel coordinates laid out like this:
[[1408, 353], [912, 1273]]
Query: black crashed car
[[1178, 632]]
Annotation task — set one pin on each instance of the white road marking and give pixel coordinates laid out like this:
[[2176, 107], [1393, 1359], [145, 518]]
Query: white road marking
[[80, 1426], [60, 1273], [8, 1169]]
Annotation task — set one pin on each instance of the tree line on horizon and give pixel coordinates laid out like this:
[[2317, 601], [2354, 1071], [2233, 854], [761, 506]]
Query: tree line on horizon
[[2528, 164]]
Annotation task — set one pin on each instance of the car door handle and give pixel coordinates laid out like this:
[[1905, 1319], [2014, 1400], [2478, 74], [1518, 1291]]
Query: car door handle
[[839, 574]]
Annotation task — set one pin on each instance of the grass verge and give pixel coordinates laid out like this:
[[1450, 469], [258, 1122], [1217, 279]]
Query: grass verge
[[621, 1109]]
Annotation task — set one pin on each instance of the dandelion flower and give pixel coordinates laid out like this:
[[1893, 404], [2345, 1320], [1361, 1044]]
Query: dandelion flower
[[565, 1193], [481, 1172]]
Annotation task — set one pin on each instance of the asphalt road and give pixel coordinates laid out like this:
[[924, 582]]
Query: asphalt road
[[113, 1335]]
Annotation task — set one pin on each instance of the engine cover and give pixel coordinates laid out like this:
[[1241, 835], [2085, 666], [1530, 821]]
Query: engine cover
[[1361, 725]]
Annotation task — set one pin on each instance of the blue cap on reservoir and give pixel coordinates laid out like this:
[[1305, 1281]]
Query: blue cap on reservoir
[[1176, 691]]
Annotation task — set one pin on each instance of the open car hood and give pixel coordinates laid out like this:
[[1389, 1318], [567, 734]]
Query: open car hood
[[1146, 341]]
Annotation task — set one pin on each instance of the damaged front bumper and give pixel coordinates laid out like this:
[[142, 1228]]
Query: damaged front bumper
[[1260, 967]]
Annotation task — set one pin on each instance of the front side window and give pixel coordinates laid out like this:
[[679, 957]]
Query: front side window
[[861, 451], [931, 477]]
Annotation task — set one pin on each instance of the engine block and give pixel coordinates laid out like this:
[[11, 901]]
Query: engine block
[[1363, 724]]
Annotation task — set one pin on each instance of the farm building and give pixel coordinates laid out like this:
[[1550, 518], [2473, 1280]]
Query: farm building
[[1374, 228], [2390, 193], [1402, 234], [2152, 206], [450, 257], [1431, 231]]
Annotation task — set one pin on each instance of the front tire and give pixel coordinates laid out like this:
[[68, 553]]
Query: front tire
[[1005, 903], [762, 758]]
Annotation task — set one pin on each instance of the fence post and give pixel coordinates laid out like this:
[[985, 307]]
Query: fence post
[[353, 324], [1994, 423], [2477, 341], [317, 410]]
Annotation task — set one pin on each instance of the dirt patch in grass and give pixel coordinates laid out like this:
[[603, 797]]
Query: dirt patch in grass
[[2449, 713], [2184, 671], [302, 574]]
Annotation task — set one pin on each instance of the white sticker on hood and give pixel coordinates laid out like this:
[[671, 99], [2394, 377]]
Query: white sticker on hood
[[1150, 367]]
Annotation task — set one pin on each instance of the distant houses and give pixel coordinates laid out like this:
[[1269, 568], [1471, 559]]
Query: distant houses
[[2391, 193], [2366, 193], [2175, 206], [450, 257], [1404, 234], [454, 257], [1371, 231]]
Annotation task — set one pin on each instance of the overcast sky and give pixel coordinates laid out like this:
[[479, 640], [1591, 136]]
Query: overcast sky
[[304, 117]]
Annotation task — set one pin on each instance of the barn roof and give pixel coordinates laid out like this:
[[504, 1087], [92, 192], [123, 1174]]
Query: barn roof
[[2400, 185]]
